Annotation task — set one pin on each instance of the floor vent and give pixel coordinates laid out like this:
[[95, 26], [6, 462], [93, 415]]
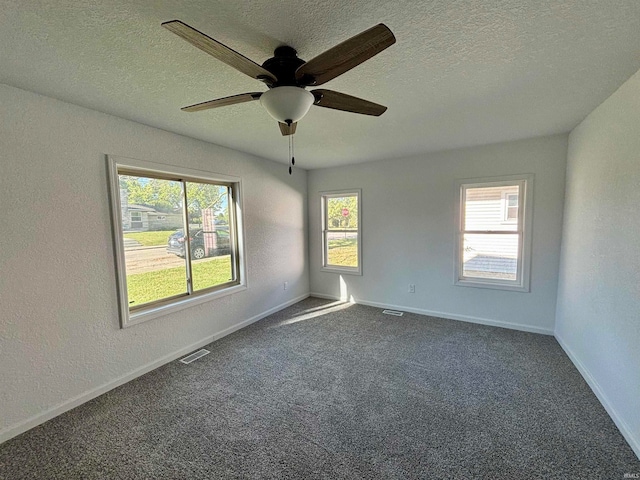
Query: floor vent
[[393, 312], [194, 356]]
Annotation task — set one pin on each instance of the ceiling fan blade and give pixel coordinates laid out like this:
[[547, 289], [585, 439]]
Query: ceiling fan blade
[[286, 129], [223, 102], [347, 103], [219, 51], [345, 56]]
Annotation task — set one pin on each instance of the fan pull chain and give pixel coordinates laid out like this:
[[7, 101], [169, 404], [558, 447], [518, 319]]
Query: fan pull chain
[[290, 152], [292, 159]]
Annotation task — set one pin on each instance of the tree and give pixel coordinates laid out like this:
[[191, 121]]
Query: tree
[[167, 196], [162, 195], [204, 195], [336, 207]]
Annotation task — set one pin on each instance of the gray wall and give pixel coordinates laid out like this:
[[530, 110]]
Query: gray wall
[[598, 315], [60, 337], [409, 231]]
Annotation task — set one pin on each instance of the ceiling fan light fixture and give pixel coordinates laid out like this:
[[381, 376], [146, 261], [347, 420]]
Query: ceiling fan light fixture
[[287, 104]]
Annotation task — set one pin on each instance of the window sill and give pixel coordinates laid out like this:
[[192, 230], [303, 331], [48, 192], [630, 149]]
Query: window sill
[[181, 304], [343, 270], [476, 283]]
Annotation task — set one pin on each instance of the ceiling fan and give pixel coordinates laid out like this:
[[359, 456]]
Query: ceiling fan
[[287, 75]]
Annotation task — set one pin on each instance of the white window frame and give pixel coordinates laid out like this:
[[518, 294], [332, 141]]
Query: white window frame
[[325, 230], [524, 231], [164, 307]]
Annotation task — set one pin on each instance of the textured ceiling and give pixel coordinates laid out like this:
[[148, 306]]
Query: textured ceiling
[[462, 73]]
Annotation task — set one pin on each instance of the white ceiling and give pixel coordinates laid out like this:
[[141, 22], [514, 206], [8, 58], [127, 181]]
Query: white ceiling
[[462, 73]]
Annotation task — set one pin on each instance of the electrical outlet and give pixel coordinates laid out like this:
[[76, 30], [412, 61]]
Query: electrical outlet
[[412, 288], [286, 284]]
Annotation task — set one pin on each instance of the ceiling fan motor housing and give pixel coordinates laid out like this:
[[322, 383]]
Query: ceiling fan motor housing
[[283, 66]]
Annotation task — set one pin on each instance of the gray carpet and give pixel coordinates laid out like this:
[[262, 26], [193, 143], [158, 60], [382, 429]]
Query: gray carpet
[[319, 391]]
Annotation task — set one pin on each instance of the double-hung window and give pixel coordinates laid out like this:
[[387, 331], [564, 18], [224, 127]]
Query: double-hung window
[[493, 240], [341, 231], [193, 255]]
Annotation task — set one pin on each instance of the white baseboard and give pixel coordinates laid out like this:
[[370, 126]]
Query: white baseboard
[[328, 297], [448, 316], [626, 432], [52, 412]]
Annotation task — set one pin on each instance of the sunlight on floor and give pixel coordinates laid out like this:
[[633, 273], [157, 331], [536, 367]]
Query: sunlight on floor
[[315, 312], [344, 292]]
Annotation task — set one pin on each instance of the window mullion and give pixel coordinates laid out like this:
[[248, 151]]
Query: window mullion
[[187, 239], [233, 234], [463, 208], [325, 249], [520, 260], [325, 231], [491, 232]]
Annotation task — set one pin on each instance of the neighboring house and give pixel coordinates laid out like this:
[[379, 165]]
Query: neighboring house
[[141, 218]]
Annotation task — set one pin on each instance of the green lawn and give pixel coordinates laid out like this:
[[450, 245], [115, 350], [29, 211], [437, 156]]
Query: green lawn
[[151, 286], [343, 252], [150, 239]]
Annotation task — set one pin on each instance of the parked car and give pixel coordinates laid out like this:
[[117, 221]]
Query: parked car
[[175, 243]]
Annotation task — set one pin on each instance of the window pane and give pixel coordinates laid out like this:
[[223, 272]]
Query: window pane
[[342, 212], [490, 256], [486, 208], [342, 246], [342, 249], [211, 259], [152, 215]]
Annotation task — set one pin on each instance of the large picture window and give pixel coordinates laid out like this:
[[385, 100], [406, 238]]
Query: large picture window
[[341, 232], [177, 235], [493, 244]]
